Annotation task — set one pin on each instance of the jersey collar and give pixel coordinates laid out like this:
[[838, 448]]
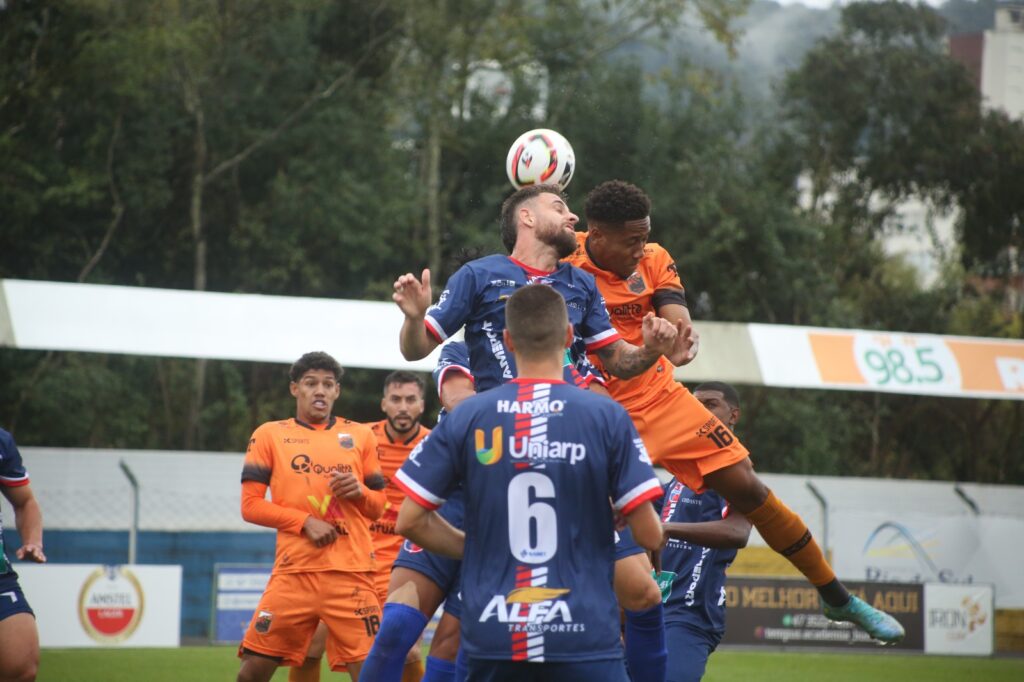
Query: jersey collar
[[533, 272], [330, 424]]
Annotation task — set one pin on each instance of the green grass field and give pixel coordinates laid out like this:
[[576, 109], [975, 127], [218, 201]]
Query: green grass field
[[218, 664]]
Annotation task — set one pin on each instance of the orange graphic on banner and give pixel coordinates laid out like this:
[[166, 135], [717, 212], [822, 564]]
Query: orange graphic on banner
[[989, 367], [834, 355]]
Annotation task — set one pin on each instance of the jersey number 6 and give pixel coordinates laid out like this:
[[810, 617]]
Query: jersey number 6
[[532, 528]]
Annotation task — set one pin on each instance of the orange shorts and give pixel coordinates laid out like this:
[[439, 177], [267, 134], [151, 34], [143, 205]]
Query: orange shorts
[[380, 580], [294, 603], [682, 436]]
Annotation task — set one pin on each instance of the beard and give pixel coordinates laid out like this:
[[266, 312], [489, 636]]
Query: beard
[[563, 241], [398, 429]]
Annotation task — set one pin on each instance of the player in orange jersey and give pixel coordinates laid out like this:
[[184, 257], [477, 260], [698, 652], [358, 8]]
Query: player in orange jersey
[[397, 435], [326, 486], [636, 278]]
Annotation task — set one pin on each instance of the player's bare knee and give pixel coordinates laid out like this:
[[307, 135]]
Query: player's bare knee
[[638, 594], [405, 594]]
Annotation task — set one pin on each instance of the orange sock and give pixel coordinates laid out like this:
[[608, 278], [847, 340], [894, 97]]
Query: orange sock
[[787, 534], [413, 671], [307, 672]]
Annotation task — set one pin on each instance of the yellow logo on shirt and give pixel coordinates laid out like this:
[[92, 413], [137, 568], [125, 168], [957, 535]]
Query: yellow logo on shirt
[[318, 505], [488, 456]]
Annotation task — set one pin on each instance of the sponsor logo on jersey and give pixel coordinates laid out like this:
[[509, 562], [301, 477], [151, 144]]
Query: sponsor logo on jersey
[[627, 310], [488, 455], [542, 450], [303, 464], [540, 406], [346, 441], [690, 597], [441, 299], [638, 443], [411, 547], [110, 604], [287, 440], [504, 283], [706, 427], [532, 609], [636, 283], [497, 348]]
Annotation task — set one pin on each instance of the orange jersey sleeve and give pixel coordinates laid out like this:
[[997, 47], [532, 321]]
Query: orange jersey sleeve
[[662, 268], [296, 461], [392, 454]]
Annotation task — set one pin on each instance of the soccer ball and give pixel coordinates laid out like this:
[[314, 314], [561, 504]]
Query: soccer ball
[[540, 156]]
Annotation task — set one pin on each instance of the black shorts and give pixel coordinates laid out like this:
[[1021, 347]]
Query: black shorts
[[12, 599]]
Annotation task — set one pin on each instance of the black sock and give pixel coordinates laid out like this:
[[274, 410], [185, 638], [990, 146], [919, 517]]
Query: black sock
[[834, 593]]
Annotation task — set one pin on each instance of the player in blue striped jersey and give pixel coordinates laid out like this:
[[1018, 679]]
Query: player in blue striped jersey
[[539, 461], [704, 534], [19, 638]]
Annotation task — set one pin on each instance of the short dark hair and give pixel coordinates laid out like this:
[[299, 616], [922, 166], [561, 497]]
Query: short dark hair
[[509, 209], [536, 318], [401, 377], [614, 202], [727, 391], [315, 360]]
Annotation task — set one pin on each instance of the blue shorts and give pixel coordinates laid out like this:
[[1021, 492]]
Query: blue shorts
[[625, 545], [12, 599], [688, 650], [609, 670], [444, 572]]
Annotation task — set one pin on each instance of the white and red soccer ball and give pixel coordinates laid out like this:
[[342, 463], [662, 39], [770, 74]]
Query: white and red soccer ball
[[540, 156]]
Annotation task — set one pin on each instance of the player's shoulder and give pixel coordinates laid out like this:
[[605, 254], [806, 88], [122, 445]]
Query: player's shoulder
[[275, 426], [576, 275], [6, 441], [342, 425], [377, 427], [486, 264], [655, 252]]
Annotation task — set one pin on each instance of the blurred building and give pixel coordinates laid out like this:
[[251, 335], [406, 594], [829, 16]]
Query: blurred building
[[995, 59]]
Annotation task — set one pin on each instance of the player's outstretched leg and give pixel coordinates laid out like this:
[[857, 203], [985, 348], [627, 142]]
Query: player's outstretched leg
[[787, 534]]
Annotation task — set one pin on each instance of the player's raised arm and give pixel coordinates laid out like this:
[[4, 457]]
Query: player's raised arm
[[413, 297], [625, 360]]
